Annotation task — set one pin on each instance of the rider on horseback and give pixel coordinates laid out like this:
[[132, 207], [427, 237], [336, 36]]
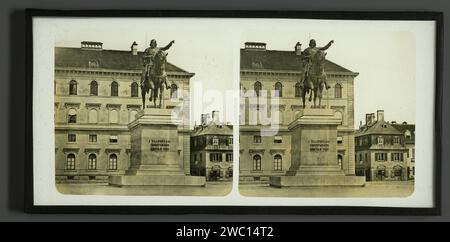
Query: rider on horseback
[[307, 58], [148, 59]]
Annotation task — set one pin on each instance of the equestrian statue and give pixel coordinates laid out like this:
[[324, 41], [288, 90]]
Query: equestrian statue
[[154, 76], [314, 80]]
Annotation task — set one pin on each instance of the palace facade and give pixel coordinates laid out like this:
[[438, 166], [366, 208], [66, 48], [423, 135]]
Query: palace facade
[[97, 95], [265, 150]]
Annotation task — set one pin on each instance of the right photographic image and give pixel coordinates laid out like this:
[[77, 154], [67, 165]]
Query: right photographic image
[[327, 113]]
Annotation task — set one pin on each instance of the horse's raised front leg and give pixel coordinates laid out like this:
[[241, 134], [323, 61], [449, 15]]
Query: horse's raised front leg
[[160, 97], [315, 98], [304, 97]]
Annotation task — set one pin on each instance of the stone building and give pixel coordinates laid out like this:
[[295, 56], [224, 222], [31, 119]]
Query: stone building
[[381, 150], [409, 132], [97, 95], [264, 154], [212, 149]]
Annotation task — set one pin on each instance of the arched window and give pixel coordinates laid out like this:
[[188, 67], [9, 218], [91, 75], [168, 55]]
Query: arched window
[[112, 164], [397, 172], [338, 91], [73, 87], [277, 163], [134, 89], [92, 162], [94, 88], [298, 89], [174, 91], [113, 116], [114, 89], [133, 115], [257, 162], [339, 161], [278, 89], [257, 88], [70, 165], [93, 116], [72, 116]]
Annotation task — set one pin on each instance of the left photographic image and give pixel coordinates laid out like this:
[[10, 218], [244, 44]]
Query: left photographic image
[[135, 110]]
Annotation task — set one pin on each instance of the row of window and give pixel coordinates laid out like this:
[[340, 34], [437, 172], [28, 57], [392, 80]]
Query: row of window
[[277, 163], [298, 89], [215, 157], [73, 89], [93, 116], [383, 156], [257, 139], [381, 140], [92, 162], [113, 139], [215, 140]]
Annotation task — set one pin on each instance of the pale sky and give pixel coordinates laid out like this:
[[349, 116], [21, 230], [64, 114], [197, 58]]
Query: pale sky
[[383, 53]]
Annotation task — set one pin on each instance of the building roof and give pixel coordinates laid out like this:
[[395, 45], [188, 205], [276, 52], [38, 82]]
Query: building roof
[[213, 128], [378, 127], [280, 60], [67, 57], [406, 127]]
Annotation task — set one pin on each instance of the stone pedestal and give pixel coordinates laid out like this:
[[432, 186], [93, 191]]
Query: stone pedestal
[[313, 152], [154, 152]]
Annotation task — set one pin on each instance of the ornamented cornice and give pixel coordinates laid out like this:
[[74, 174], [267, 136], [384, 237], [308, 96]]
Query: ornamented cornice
[[256, 151], [93, 105], [70, 150], [113, 105], [127, 73], [276, 151], [89, 150], [110, 151], [133, 106], [72, 105]]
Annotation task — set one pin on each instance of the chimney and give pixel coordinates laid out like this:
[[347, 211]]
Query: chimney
[[205, 119], [380, 115], [91, 45], [215, 116], [255, 46], [298, 48], [134, 50], [368, 116]]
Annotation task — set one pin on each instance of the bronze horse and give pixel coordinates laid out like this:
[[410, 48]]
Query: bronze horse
[[153, 82], [315, 80]]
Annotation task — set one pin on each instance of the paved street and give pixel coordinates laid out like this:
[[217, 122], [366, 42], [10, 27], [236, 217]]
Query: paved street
[[211, 189], [372, 189]]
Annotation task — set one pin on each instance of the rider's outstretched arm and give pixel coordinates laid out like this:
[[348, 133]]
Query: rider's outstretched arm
[[168, 46], [327, 46]]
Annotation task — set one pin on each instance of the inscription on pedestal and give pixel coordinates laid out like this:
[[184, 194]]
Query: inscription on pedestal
[[159, 145], [319, 145]]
